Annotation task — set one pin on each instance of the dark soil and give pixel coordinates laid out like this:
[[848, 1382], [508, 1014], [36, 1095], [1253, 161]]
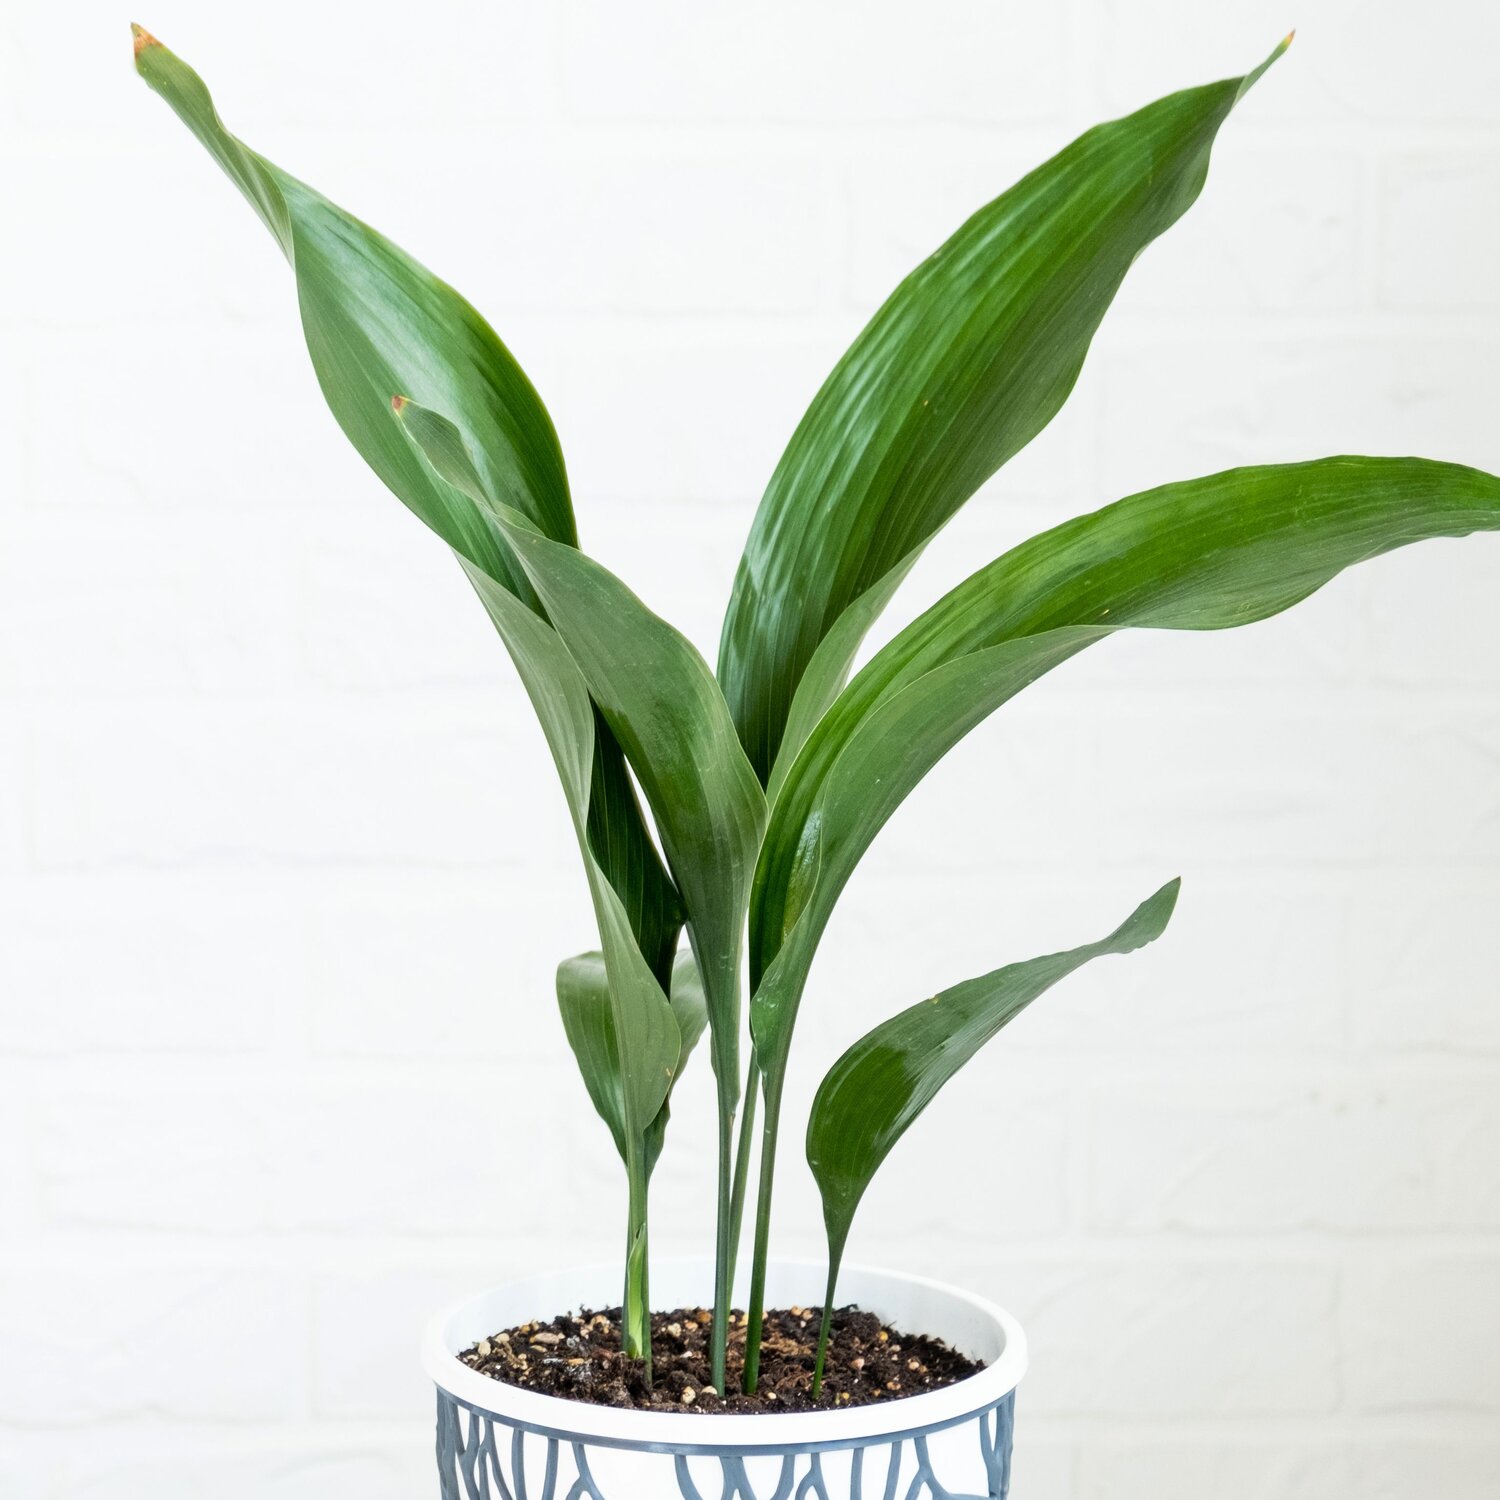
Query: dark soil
[[579, 1358]]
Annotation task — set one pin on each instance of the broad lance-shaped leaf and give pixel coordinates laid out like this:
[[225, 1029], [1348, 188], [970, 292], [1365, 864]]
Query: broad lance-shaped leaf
[[375, 322], [649, 1038], [875, 1091], [972, 355], [887, 1078], [589, 1021], [660, 699], [1205, 554]]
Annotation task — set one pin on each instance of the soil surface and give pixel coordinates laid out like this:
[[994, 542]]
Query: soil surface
[[579, 1358]]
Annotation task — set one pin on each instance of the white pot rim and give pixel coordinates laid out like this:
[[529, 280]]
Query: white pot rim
[[919, 1304]]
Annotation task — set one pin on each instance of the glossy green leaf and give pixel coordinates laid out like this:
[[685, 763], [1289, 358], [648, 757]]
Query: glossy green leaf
[[660, 699], [649, 1040], [589, 1023], [972, 355], [377, 322], [876, 1090], [666, 710], [828, 670], [1206, 554], [886, 1079]]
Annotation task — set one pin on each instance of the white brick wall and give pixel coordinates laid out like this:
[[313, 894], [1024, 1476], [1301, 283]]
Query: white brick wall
[[283, 873]]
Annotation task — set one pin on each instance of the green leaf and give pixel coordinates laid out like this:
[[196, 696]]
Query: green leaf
[[663, 705], [588, 1020], [828, 670], [972, 355], [589, 1024], [690, 1006], [648, 1038], [377, 322], [1206, 554], [887, 1078]]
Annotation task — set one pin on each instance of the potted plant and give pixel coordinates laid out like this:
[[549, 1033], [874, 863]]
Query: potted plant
[[767, 780]]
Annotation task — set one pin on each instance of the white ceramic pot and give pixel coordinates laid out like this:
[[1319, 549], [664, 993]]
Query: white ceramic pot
[[498, 1442]]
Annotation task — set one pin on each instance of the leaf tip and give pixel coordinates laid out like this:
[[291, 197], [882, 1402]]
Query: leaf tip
[[400, 403], [141, 39], [1255, 74]]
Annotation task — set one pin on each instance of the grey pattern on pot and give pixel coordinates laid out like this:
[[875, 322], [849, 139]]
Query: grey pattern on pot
[[483, 1456]]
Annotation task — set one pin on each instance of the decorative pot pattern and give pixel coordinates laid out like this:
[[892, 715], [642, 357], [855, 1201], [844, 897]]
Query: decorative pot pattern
[[482, 1456], [499, 1442]]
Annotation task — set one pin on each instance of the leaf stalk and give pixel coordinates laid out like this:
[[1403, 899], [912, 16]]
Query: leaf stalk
[[835, 1256], [635, 1311], [756, 1311]]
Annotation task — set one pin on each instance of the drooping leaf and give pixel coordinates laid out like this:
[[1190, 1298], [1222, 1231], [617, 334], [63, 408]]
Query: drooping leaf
[[664, 707], [972, 355], [887, 1078], [648, 1038], [376, 322], [589, 1023], [1206, 554]]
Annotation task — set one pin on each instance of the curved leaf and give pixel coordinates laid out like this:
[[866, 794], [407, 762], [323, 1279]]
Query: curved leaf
[[887, 1078], [828, 670], [376, 321], [589, 1022], [664, 707], [972, 355], [1206, 554], [649, 1040]]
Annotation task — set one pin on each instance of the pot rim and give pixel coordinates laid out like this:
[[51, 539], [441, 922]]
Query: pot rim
[[726, 1432]]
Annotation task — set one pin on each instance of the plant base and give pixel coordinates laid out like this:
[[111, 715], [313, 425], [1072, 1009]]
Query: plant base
[[578, 1356], [497, 1441]]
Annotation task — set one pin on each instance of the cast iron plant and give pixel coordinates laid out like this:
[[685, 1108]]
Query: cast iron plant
[[768, 779]]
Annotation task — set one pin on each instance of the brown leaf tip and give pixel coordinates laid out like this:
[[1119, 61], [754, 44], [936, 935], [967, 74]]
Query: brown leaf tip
[[1288, 39], [400, 403], [143, 38]]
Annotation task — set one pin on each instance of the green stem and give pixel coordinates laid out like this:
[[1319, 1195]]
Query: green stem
[[757, 1309], [635, 1315], [723, 1251], [824, 1328], [731, 1217], [742, 1166]]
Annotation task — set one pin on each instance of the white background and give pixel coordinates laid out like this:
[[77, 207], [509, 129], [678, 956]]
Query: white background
[[284, 872]]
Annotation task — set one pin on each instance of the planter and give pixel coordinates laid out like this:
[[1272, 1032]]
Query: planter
[[498, 1442]]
